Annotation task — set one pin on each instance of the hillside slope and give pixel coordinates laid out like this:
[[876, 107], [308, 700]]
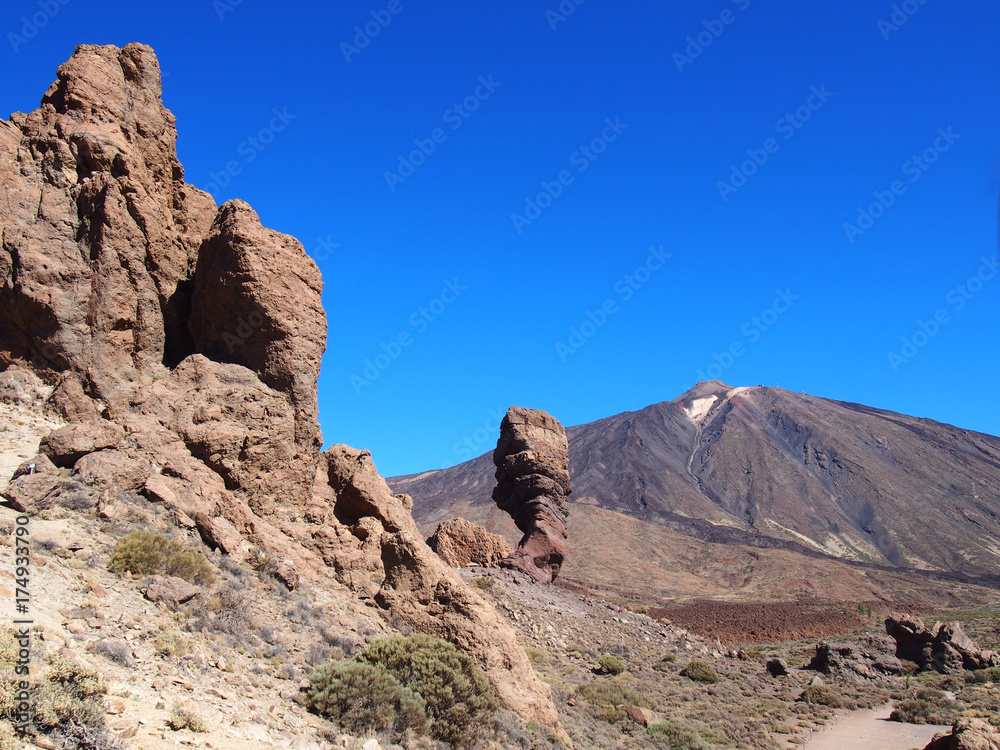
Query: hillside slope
[[766, 468]]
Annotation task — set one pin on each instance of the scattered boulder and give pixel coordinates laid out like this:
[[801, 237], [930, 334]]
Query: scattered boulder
[[777, 667], [69, 444], [40, 464], [112, 469], [871, 658], [968, 734], [944, 648], [641, 716], [170, 590], [218, 533], [33, 493], [158, 489], [459, 543], [533, 482]]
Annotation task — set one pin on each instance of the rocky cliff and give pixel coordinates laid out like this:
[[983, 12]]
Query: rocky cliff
[[182, 343], [532, 460]]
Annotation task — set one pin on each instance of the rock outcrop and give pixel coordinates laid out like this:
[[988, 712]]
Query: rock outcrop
[[182, 344], [871, 658], [943, 648], [459, 543], [968, 734], [532, 460]]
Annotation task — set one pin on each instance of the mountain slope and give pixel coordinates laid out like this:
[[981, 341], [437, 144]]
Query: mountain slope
[[763, 467]]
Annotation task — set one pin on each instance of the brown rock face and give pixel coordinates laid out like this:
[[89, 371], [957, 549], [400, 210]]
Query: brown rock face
[[871, 658], [968, 734], [944, 648], [459, 543], [257, 303], [100, 231], [532, 460], [182, 344]]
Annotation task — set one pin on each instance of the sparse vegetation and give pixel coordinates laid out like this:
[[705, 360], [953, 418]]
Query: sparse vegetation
[[979, 676], [822, 695], [115, 651], [145, 553], [611, 665], [928, 707], [363, 698], [699, 671], [185, 717], [676, 735], [484, 583], [457, 695], [607, 694], [66, 695]]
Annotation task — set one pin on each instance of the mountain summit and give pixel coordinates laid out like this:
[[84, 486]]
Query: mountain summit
[[764, 467]]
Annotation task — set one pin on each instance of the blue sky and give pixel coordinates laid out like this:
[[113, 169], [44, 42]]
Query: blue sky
[[700, 233]]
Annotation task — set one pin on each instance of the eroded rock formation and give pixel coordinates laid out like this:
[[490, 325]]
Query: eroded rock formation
[[459, 543], [182, 344], [943, 648], [532, 460], [872, 657]]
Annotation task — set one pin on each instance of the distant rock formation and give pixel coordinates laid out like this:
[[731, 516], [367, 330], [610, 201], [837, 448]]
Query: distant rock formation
[[870, 658], [459, 543], [182, 344], [944, 648], [532, 460]]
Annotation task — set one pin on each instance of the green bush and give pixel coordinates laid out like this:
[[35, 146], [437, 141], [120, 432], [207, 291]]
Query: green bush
[[144, 553], [606, 693], [364, 699], [699, 671], [822, 695], [611, 665], [457, 695], [676, 735], [64, 692]]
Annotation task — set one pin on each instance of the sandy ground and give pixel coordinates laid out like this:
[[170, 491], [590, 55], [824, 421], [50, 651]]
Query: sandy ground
[[871, 730], [21, 429]]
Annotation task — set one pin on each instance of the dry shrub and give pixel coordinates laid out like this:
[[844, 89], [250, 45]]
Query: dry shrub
[[145, 553]]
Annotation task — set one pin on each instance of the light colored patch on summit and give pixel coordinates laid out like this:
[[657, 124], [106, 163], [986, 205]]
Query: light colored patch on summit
[[699, 408]]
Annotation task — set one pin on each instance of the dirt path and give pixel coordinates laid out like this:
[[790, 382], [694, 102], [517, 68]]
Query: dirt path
[[871, 730]]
